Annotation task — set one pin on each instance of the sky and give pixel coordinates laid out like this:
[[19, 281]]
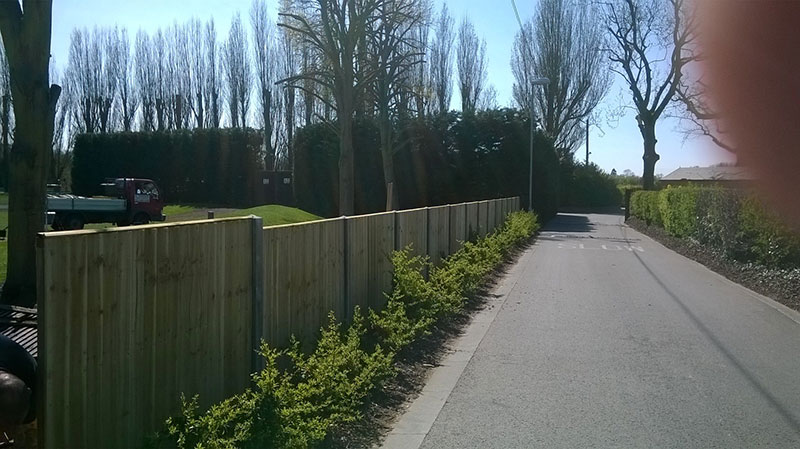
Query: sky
[[614, 143]]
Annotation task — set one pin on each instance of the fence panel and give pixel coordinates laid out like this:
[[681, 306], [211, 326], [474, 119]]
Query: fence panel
[[304, 279], [483, 214], [472, 220], [458, 226], [438, 233], [131, 318], [491, 215], [370, 242], [412, 229]]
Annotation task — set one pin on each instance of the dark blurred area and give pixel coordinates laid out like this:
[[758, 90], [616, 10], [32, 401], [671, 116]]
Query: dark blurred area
[[751, 53]]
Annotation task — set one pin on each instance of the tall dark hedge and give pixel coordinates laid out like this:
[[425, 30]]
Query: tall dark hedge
[[445, 159], [205, 166]]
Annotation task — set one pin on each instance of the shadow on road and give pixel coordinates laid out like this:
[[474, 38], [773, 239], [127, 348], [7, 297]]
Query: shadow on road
[[569, 223], [787, 415]]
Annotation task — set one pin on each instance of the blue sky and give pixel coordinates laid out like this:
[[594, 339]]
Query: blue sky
[[613, 145]]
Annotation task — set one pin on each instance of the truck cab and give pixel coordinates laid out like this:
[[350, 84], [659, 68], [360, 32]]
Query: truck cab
[[127, 201]]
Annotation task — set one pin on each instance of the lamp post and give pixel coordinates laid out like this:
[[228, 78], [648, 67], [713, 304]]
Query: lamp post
[[535, 82]]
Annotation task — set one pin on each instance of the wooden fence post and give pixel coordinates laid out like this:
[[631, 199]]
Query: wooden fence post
[[347, 313], [258, 292]]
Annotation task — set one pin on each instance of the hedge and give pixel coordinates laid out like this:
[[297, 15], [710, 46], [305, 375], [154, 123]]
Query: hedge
[[645, 206], [298, 398], [441, 159], [207, 166], [733, 222]]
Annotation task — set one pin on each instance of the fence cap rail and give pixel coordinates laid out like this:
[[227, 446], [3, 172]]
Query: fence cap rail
[[51, 234]]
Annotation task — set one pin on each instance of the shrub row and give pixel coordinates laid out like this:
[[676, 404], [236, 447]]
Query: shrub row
[[731, 221], [207, 166], [298, 398]]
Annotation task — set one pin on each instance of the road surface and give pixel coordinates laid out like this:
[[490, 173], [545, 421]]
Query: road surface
[[604, 338]]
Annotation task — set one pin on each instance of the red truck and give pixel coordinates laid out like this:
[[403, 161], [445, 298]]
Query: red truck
[[128, 201]]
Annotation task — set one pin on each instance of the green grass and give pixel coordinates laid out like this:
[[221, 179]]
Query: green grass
[[177, 209], [3, 198], [276, 215]]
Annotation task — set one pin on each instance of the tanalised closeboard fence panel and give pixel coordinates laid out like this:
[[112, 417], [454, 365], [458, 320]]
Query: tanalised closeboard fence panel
[[412, 229], [438, 233], [458, 226], [304, 279], [370, 243], [132, 318]]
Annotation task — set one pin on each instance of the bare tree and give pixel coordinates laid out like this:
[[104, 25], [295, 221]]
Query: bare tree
[[419, 78], [213, 77], [471, 62], [62, 156], [83, 78], [488, 99], [566, 47], [265, 55], [649, 44], [289, 68], [107, 42], [128, 100], [442, 61], [702, 117], [158, 55], [146, 81], [394, 54], [26, 39], [198, 69], [238, 74], [333, 30]]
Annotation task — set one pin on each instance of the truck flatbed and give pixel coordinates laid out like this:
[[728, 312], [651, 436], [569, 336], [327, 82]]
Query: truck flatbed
[[58, 203]]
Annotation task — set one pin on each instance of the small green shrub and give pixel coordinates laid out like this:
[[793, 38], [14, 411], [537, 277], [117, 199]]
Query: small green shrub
[[645, 206], [678, 207]]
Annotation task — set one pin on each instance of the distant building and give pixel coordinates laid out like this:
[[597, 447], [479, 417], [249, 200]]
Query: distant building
[[725, 176]]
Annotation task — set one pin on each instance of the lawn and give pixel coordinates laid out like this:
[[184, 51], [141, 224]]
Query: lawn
[[276, 215]]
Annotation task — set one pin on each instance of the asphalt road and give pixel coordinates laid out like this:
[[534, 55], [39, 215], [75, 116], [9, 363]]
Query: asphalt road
[[608, 339]]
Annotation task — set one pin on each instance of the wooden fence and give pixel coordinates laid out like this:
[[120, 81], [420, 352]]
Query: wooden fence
[[131, 318]]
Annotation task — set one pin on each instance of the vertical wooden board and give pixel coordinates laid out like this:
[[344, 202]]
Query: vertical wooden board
[[491, 216], [483, 213], [270, 282], [58, 265], [358, 242], [412, 226], [471, 221], [458, 226], [438, 233]]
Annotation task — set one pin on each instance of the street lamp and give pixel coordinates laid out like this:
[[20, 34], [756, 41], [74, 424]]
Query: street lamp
[[535, 82]]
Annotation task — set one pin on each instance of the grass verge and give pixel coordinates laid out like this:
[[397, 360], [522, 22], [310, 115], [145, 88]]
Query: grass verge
[[299, 398], [274, 214]]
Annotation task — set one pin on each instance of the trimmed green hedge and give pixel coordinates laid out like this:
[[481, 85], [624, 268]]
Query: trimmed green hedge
[[731, 221], [298, 398], [645, 206]]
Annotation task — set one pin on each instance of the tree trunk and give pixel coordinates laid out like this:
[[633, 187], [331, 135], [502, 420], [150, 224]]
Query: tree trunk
[[346, 162], [27, 42], [387, 154], [650, 157]]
